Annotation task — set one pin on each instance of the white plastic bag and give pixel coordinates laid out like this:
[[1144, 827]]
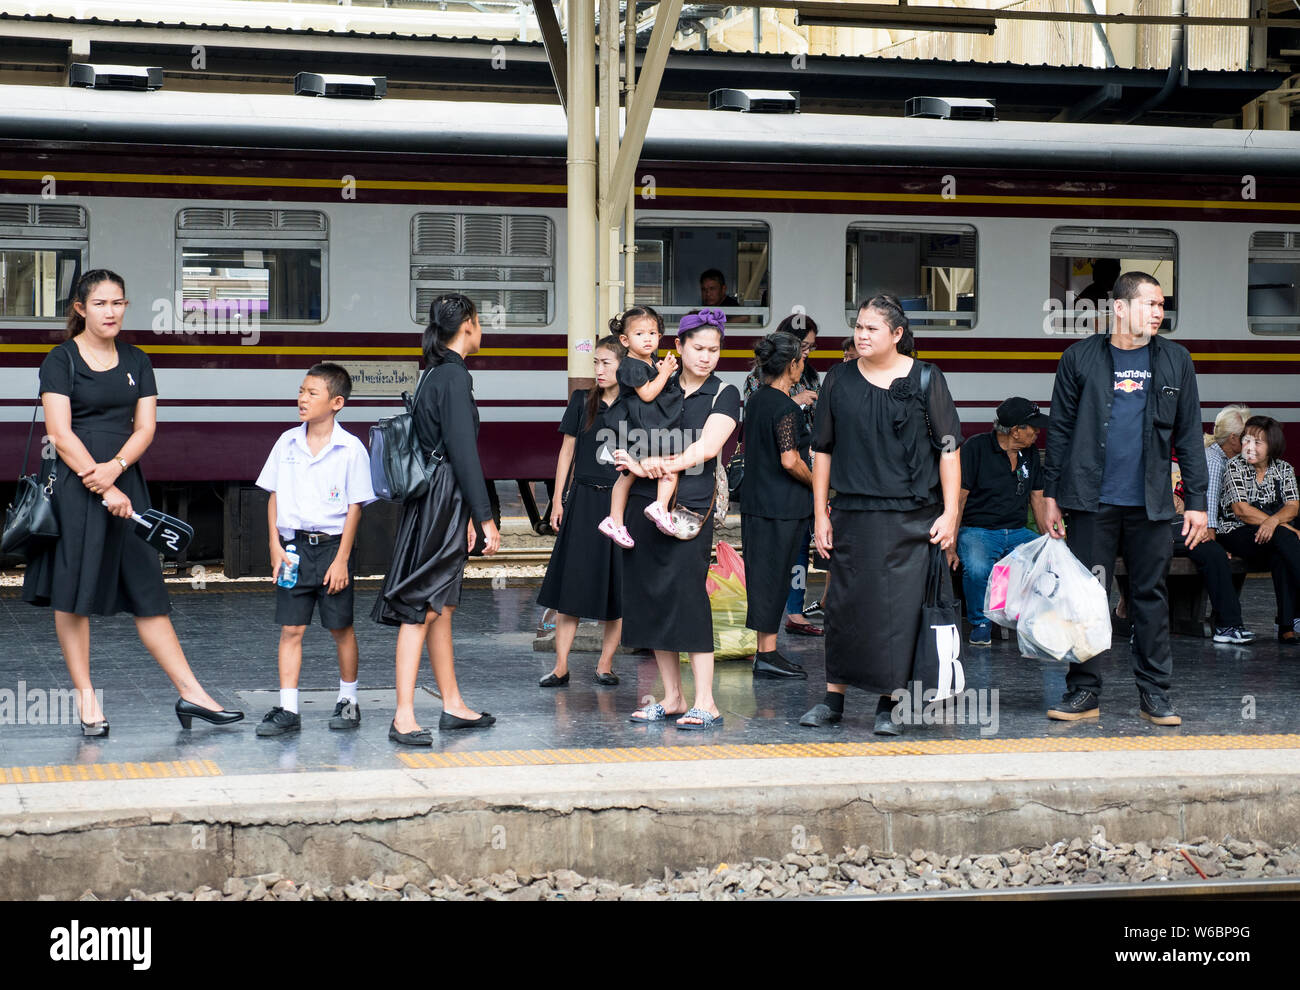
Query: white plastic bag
[[1057, 607]]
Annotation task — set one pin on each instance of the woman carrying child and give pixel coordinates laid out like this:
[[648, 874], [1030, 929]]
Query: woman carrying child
[[585, 576]]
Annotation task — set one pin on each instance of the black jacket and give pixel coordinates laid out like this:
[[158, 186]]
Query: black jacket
[[1076, 435]]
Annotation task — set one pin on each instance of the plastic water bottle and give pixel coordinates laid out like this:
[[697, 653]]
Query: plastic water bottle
[[288, 576]]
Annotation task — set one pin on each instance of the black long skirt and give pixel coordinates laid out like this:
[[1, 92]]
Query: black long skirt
[[771, 546], [665, 603], [873, 604], [585, 575], [429, 555], [98, 566]]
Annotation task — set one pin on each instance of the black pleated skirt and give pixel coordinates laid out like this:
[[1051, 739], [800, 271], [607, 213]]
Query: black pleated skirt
[[585, 575], [429, 556], [873, 603], [98, 566], [665, 603], [771, 546]]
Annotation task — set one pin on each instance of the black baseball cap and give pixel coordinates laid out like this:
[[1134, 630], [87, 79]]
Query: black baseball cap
[[1021, 412]]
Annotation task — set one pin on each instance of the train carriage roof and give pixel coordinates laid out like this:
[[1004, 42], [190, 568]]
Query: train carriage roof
[[63, 115]]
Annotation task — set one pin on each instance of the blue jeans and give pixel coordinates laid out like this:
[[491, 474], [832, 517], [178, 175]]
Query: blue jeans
[[798, 580], [979, 549]]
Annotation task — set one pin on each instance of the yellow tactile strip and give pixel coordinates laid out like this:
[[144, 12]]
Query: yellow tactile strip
[[72, 772], [919, 747]]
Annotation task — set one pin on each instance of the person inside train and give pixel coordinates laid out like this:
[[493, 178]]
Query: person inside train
[[647, 423], [995, 502], [713, 289], [584, 577], [101, 407], [665, 594], [1258, 508], [421, 591], [1108, 465], [318, 476], [1104, 273], [889, 450]]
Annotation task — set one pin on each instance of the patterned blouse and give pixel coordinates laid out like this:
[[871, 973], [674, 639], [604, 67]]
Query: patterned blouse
[[1239, 485]]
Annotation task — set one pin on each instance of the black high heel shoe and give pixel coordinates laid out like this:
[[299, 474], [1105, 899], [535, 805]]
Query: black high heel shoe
[[91, 730], [187, 711]]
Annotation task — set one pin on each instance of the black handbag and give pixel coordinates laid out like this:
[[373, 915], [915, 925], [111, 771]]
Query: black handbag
[[30, 522], [736, 470], [400, 470], [936, 665]]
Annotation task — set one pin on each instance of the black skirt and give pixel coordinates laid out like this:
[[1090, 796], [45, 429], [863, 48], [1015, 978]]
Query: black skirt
[[771, 546], [429, 555], [877, 586], [665, 603], [98, 566], [585, 575]]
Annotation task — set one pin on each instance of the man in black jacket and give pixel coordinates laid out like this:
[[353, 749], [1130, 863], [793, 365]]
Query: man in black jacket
[[1120, 403]]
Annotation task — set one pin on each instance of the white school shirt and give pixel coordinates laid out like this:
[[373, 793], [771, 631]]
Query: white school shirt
[[313, 493]]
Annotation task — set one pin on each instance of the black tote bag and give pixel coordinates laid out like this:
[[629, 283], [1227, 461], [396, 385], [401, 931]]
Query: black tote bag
[[936, 665]]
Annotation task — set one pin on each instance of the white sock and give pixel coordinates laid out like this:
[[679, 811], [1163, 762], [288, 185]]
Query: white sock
[[348, 691], [289, 699]]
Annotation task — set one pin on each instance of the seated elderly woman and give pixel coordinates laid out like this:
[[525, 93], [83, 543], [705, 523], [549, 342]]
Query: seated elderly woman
[[1257, 507]]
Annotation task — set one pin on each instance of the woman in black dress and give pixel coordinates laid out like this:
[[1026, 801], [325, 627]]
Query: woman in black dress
[[776, 497], [665, 602], [584, 578], [101, 408], [896, 479], [436, 531]]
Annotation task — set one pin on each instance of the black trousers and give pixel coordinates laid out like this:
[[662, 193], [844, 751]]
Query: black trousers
[[1211, 561], [1281, 555], [1097, 538]]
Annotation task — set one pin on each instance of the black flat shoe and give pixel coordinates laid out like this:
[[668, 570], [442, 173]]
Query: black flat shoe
[[91, 730], [608, 680], [420, 737], [885, 724], [187, 711], [820, 716], [776, 666], [550, 680], [447, 721]]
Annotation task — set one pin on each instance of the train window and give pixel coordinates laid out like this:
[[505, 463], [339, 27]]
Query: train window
[[672, 260], [930, 267], [1273, 282], [264, 263], [42, 247], [506, 264], [1086, 261]]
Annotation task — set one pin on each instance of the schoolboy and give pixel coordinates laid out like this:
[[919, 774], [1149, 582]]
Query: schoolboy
[[318, 475]]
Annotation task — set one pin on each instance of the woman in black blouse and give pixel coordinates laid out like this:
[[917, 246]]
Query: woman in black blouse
[[776, 498], [101, 409], [665, 602], [584, 578], [436, 532], [896, 480]]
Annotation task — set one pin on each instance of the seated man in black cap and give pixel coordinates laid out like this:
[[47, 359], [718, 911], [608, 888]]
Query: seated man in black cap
[[1001, 478]]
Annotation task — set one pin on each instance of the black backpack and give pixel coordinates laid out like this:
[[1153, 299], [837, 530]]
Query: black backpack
[[400, 469]]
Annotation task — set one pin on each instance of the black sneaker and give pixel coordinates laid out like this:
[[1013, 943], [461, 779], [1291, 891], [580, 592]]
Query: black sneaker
[[1074, 706], [1233, 634], [347, 715], [277, 722], [814, 611], [1157, 709]]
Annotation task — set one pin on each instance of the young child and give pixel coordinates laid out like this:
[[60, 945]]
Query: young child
[[318, 475], [652, 408]]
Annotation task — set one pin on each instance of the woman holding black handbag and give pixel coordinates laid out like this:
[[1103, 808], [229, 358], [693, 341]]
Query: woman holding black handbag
[[436, 531], [889, 449], [101, 406]]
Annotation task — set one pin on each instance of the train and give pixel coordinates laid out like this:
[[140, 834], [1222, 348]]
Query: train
[[259, 233]]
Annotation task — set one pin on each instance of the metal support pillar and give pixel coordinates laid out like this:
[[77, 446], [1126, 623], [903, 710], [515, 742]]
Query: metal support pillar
[[582, 193], [607, 235], [553, 41], [629, 220]]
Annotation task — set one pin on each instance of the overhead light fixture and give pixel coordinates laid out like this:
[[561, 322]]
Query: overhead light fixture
[[963, 22]]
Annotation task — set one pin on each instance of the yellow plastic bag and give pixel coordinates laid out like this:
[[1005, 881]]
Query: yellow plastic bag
[[729, 603]]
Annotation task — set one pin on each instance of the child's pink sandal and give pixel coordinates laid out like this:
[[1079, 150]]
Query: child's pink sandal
[[662, 518], [617, 533]]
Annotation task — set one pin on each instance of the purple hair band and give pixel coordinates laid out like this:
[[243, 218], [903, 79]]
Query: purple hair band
[[715, 318]]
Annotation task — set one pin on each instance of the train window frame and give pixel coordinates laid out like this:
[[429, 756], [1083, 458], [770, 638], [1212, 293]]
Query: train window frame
[[1061, 316], [756, 318], [41, 230], [244, 228], [928, 321], [459, 261], [1286, 253]]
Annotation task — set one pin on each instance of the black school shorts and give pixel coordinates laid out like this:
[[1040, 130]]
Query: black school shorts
[[294, 606]]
